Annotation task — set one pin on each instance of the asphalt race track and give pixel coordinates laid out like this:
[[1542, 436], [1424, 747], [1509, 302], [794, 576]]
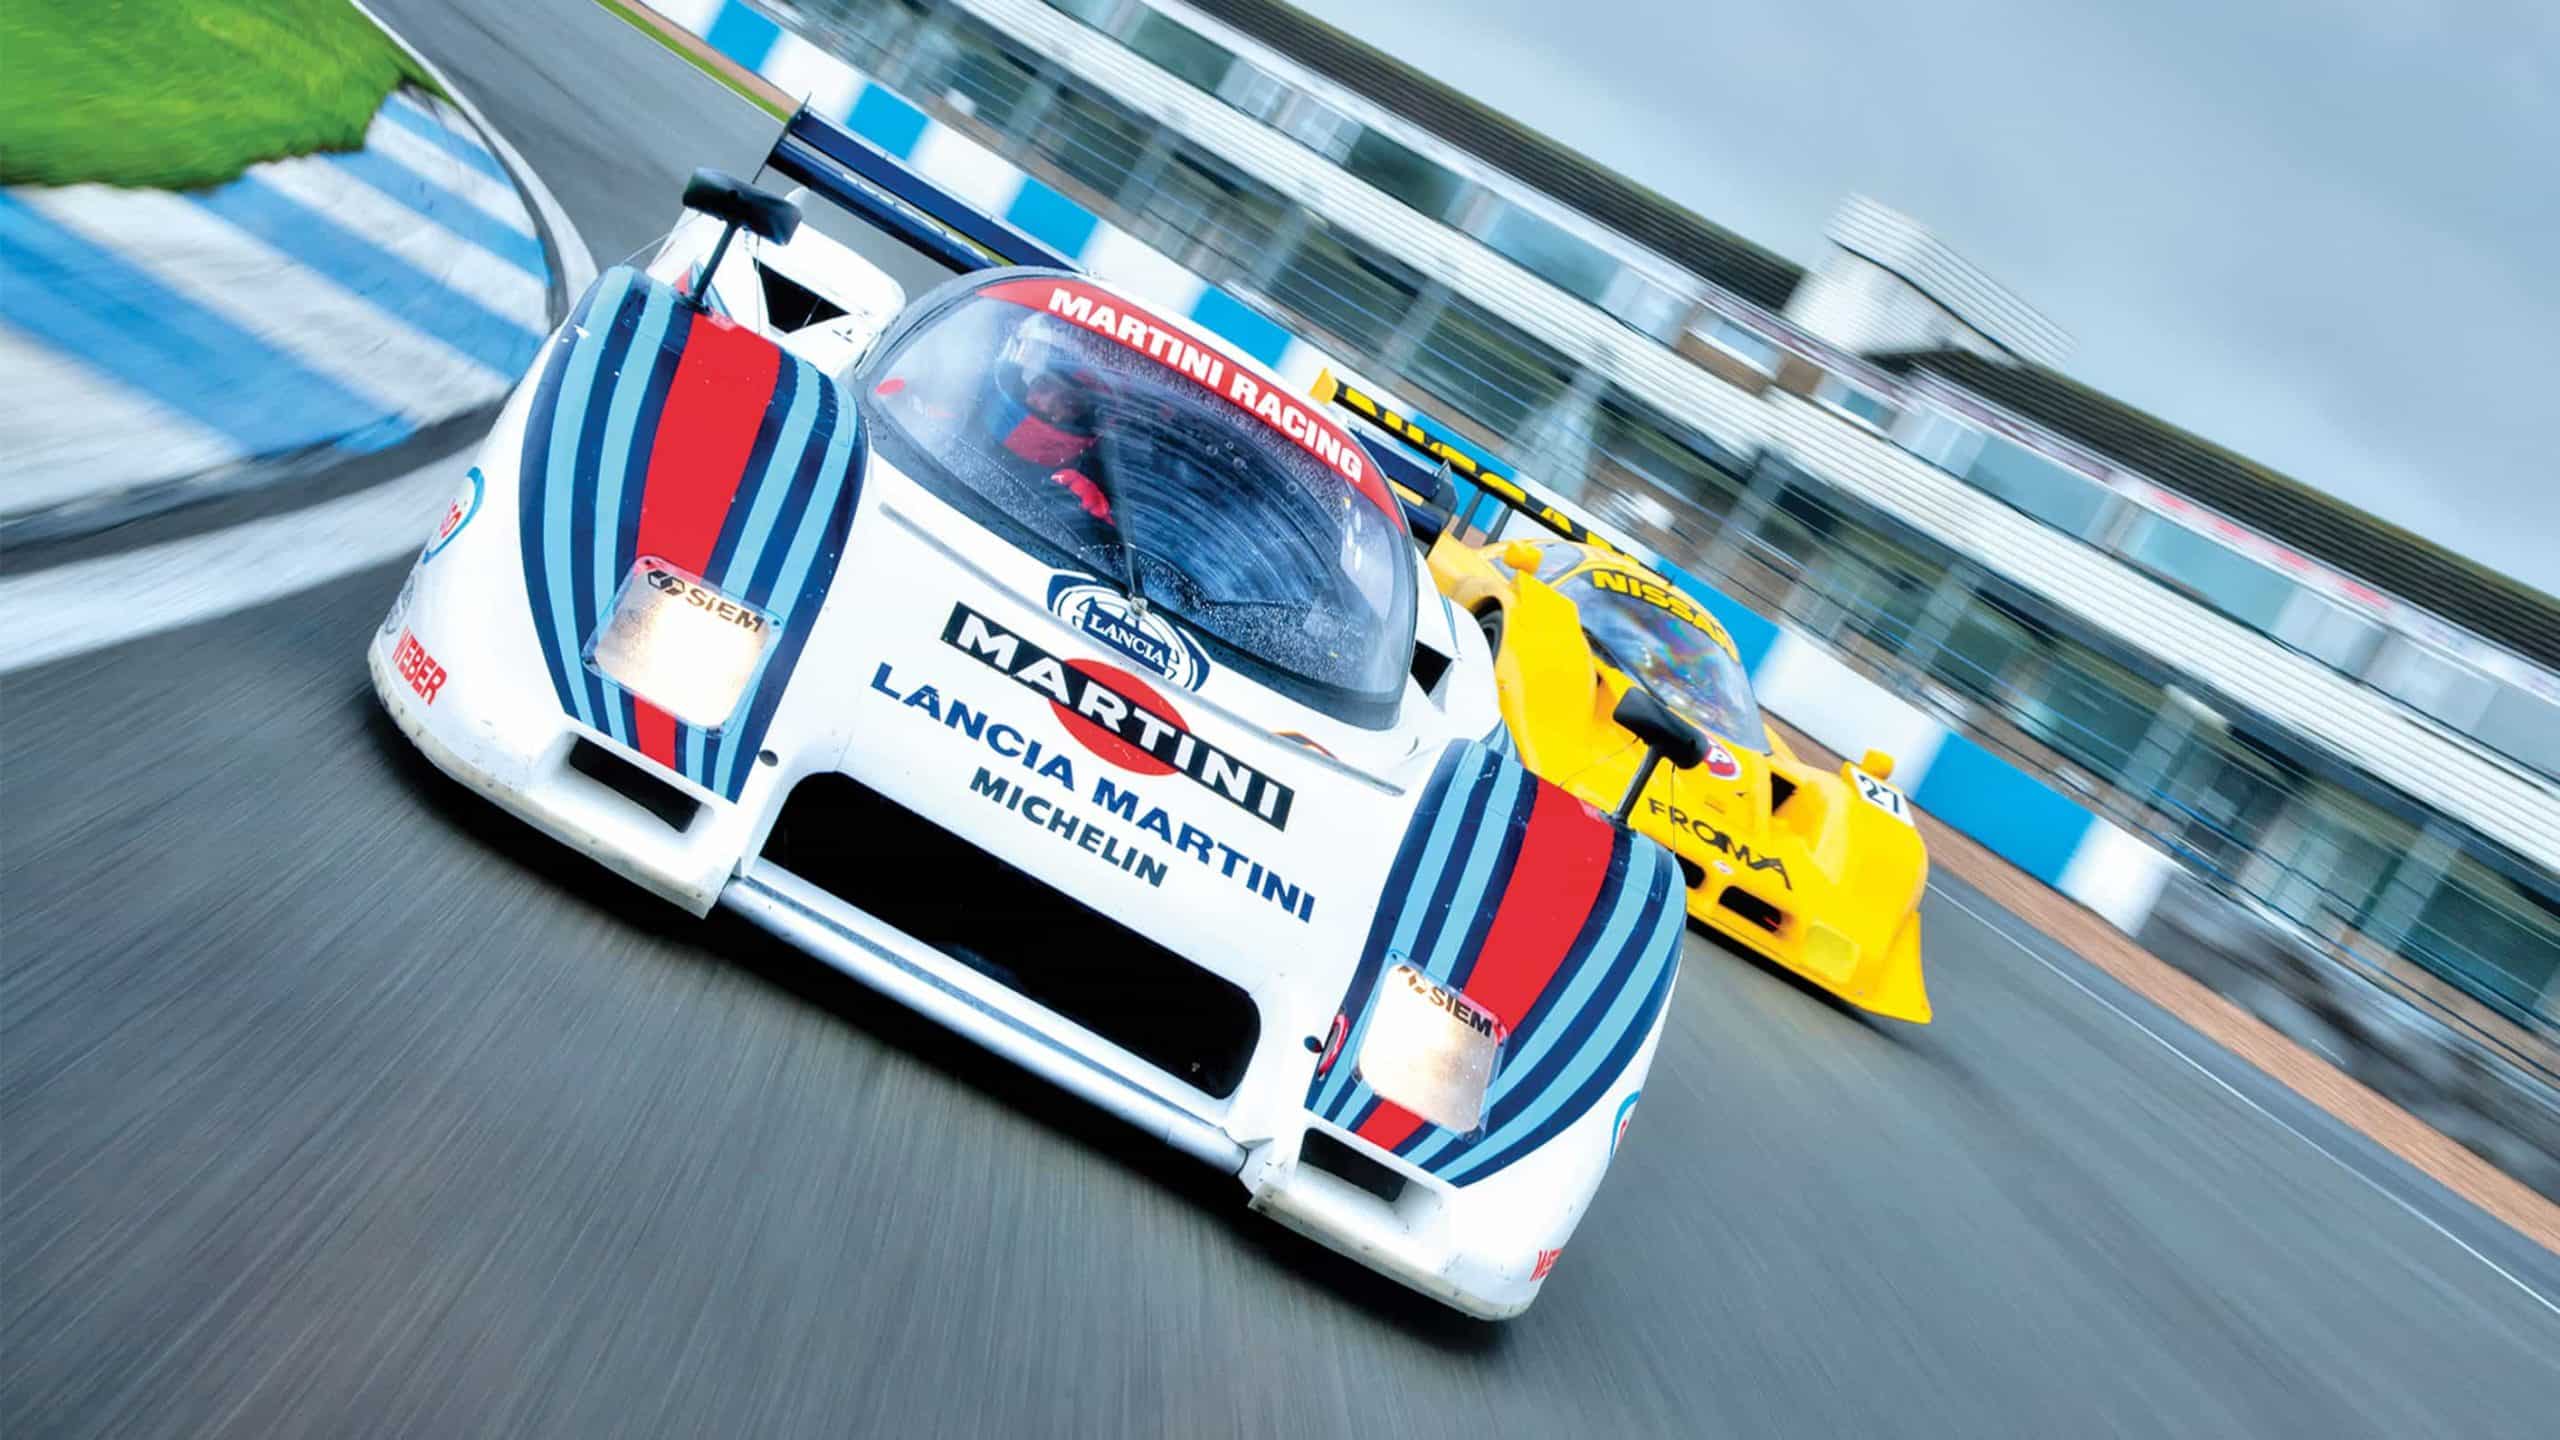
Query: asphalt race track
[[336, 1104]]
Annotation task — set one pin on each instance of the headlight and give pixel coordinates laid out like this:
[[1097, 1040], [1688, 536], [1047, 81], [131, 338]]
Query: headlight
[[1831, 954], [681, 645], [1430, 1049]]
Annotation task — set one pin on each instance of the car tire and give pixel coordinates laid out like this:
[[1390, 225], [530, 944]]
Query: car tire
[[1490, 622]]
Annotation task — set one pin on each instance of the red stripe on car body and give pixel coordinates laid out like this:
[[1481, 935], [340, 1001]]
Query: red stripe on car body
[[715, 403], [1389, 1126], [1564, 858], [654, 731]]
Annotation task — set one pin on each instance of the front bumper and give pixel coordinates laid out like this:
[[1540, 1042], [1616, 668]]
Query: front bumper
[[1412, 1238], [537, 783], [1477, 1249]]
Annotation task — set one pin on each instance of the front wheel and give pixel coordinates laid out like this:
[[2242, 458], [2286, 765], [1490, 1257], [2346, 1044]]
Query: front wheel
[[1490, 622]]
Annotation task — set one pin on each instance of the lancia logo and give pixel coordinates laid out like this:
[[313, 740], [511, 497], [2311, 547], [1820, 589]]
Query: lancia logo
[[1105, 616]]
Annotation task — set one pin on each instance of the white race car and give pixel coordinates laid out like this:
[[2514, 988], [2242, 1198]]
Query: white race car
[[1048, 666]]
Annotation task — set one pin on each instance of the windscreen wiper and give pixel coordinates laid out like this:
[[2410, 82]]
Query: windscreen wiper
[[1601, 648], [1112, 451]]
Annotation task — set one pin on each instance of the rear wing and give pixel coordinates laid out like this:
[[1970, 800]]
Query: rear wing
[[873, 186], [1448, 486]]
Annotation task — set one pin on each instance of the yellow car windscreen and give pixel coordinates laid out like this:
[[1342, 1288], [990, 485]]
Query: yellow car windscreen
[[1664, 639]]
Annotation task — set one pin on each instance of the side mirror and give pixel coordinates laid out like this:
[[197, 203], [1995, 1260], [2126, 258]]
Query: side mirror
[[726, 197], [1666, 737], [1444, 490], [1433, 510], [1877, 763], [740, 206], [1524, 556]]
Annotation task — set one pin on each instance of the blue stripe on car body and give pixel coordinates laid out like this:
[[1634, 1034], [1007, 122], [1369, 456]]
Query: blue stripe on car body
[[1560, 1026], [1593, 1054], [820, 544], [562, 488], [1416, 869], [1496, 832], [599, 398], [773, 463], [1425, 927], [1578, 1035], [596, 469], [1630, 1020], [623, 470], [531, 480]]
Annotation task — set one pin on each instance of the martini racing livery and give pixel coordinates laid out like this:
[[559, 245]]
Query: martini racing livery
[[1052, 668]]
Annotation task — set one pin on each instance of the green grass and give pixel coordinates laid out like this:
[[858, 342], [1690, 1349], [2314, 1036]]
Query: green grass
[[184, 93], [658, 32]]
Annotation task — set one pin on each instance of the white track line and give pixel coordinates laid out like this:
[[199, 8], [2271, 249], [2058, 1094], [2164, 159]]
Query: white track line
[[88, 604], [125, 438], [2545, 1301]]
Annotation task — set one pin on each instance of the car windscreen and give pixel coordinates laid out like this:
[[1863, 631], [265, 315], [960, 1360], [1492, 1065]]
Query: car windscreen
[[1554, 558], [1128, 451], [1662, 637]]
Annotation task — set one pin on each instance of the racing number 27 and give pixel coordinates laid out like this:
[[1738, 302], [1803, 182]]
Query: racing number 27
[[1882, 796]]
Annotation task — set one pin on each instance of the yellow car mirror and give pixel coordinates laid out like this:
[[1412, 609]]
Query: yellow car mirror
[[1878, 764], [1522, 555]]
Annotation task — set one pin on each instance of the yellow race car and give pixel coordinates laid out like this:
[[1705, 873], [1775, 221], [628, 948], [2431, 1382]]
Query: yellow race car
[[1819, 870]]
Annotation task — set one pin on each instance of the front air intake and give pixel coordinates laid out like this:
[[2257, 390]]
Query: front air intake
[[672, 807], [897, 866], [1354, 1167], [1752, 908]]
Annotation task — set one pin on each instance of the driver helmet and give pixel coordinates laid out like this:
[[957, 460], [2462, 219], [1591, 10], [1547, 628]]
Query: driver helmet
[[1046, 404]]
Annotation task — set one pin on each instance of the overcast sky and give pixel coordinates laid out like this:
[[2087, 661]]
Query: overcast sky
[[2326, 235]]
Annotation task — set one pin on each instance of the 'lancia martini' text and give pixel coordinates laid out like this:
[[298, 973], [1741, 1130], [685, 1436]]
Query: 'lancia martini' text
[[1111, 799]]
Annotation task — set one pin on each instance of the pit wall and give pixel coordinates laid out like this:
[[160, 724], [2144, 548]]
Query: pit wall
[[2016, 816]]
